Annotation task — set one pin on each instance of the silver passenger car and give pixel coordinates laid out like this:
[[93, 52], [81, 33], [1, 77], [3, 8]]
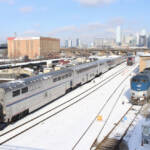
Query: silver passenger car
[[20, 97]]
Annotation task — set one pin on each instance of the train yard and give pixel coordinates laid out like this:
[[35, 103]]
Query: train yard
[[81, 119]]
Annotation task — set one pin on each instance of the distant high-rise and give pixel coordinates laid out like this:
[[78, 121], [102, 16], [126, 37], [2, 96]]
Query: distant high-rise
[[78, 44], [143, 32], [118, 35], [98, 42], [137, 39], [148, 41], [143, 41], [143, 38], [66, 44], [70, 43]]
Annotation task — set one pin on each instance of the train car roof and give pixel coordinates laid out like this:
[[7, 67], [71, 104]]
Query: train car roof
[[141, 74], [102, 60], [130, 56], [86, 65], [27, 81]]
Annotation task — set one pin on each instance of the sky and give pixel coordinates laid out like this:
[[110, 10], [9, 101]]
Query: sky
[[70, 19]]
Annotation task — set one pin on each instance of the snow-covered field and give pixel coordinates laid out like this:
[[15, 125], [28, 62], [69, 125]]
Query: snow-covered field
[[67, 129]]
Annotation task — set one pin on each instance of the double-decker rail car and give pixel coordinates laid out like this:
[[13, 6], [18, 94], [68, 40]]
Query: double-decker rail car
[[20, 97], [113, 61], [85, 72], [103, 66], [24, 96]]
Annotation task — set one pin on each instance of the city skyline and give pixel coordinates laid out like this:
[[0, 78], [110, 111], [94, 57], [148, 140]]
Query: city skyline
[[71, 19]]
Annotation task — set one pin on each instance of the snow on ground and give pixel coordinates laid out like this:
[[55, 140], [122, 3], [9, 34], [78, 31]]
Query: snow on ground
[[134, 135], [66, 97], [119, 131], [63, 131]]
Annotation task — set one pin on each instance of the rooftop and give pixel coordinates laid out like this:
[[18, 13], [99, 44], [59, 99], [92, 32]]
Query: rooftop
[[30, 38]]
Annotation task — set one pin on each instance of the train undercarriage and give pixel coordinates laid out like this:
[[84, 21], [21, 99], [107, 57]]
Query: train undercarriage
[[140, 101]]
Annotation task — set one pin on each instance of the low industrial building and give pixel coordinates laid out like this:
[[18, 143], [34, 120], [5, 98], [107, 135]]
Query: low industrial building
[[32, 47], [144, 62]]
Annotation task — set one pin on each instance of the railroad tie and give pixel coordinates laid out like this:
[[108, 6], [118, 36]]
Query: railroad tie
[[108, 144]]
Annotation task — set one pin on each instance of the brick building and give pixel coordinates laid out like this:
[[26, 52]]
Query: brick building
[[33, 47]]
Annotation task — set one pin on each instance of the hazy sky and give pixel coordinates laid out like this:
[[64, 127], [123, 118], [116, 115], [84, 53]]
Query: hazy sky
[[66, 19]]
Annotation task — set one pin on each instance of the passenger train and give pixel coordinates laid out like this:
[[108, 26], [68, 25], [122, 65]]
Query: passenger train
[[140, 87], [19, 98], [130, 60]]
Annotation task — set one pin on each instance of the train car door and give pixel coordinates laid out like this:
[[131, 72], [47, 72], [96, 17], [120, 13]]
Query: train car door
[[71, 83], [87, 77], [1, 113]]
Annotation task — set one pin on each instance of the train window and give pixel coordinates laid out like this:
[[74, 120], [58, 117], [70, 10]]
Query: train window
[[70, 74], [55, 79], [16, 93], [59, 78], [63, 77], [143, 80], [135, 80], [24, 90], [66, 75]]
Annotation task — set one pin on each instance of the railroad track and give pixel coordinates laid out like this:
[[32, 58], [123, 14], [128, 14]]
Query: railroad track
[[105, 141], [4, 137], [113, 143], [95, 118], [74, 147]]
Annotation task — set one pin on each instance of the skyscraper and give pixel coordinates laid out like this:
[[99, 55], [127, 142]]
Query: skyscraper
[[78, 43], [143, 41], [70, 43], [137, 39], [118, 35], [148, 41], [66, 44]]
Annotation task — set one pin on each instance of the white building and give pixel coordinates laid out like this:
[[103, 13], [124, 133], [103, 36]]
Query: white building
[[143, 32], [118, 35], [70, 43], [137, 39], [98, 42]]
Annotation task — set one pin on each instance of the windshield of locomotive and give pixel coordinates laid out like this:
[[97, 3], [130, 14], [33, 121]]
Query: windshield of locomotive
[[140, 79]]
